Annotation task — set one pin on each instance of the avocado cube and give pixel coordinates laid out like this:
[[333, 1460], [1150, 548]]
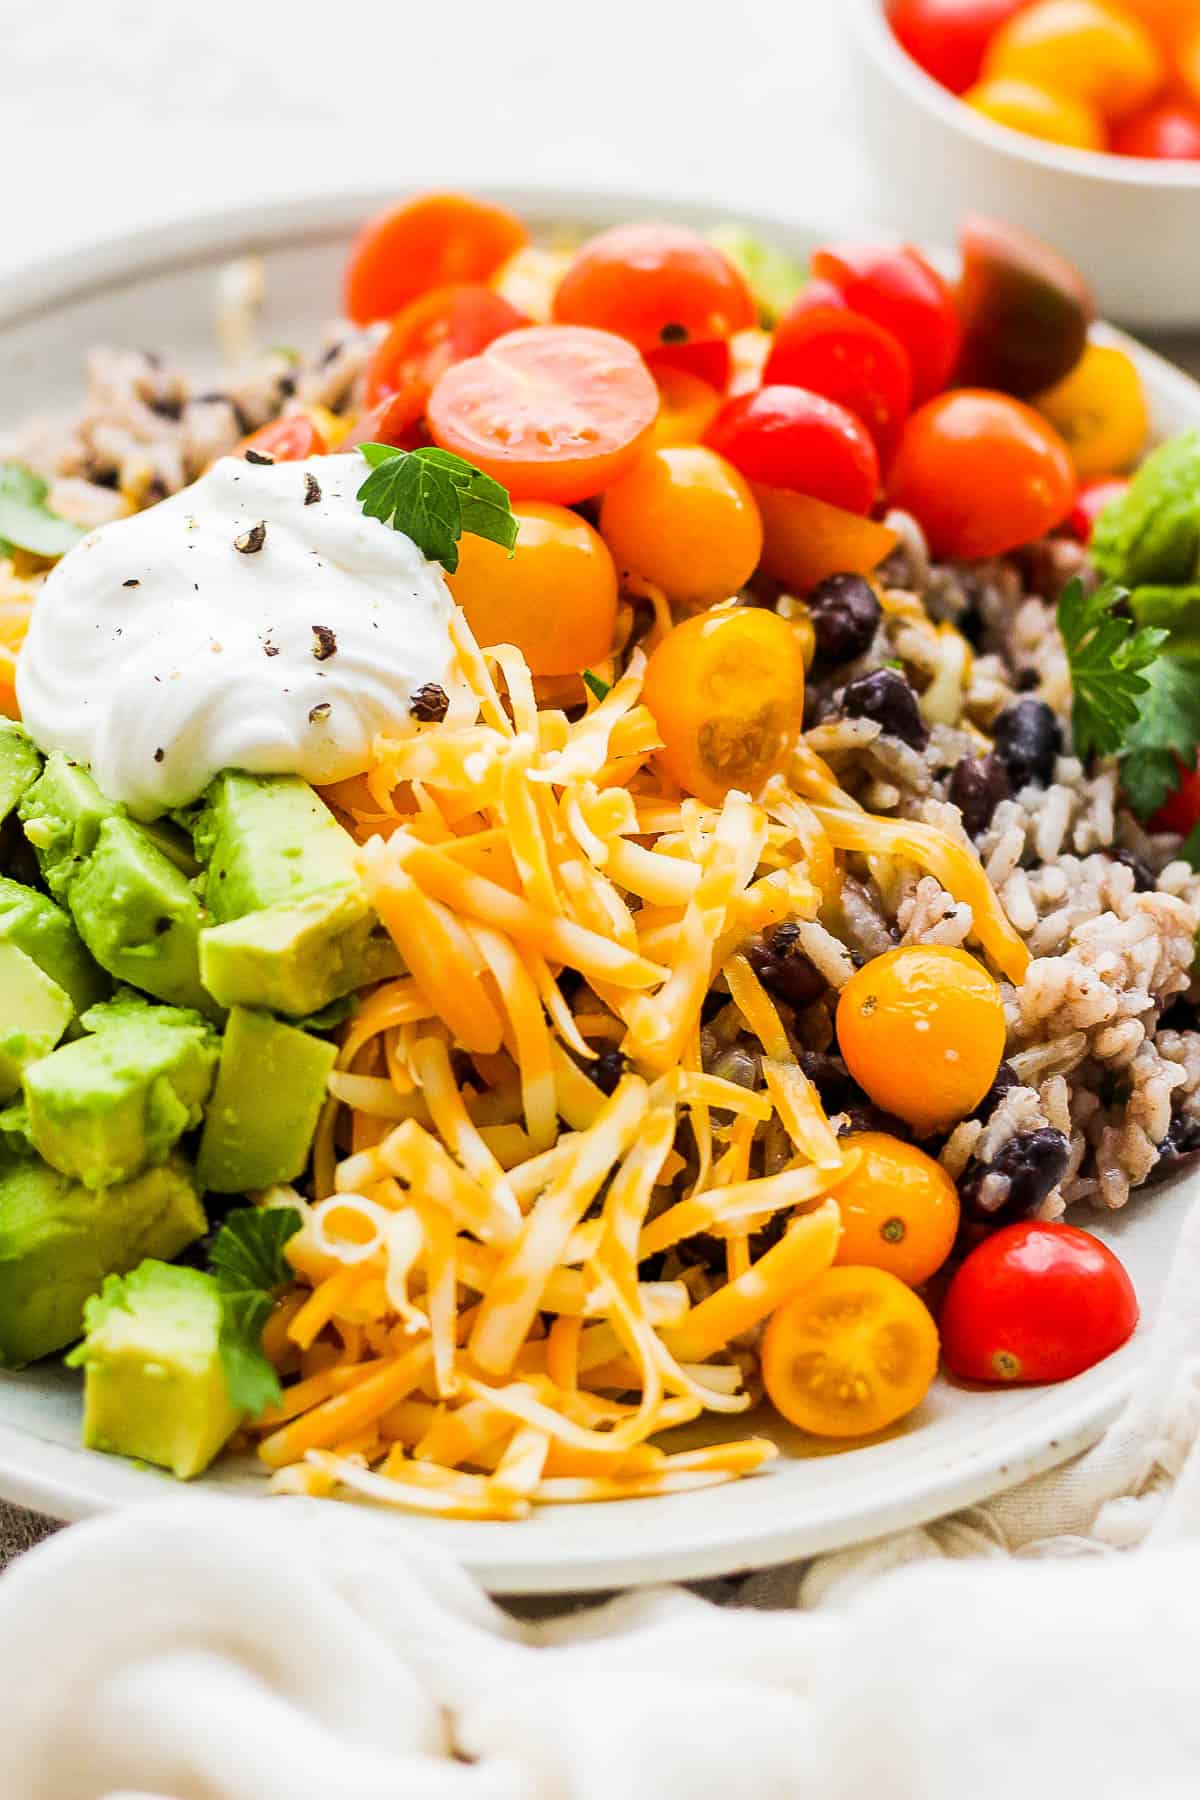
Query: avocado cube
[[117, 1101], [290, 959], [34, 1013], [154, 1384], [20, 764], [33, 922], [59, 1239], [62, 813], [271, 1085]]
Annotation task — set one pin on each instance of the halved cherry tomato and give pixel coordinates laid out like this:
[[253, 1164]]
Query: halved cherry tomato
[[899, 1209], [555, 412], [948, 38], [850, 1354], [901, 291], [726, 689], [1091, 501], [789, 438], [1085, 49], [709, 362], [1169, 132], [804, 540], [1036, 1302], [982, 473], [687, 407], [1182, 810], [655, 284], [289, 439], [684, 519], [555, 597], [1038, 112], [428, 242], [848, 358], [1100, 409], [1025, 310], [432, 332]]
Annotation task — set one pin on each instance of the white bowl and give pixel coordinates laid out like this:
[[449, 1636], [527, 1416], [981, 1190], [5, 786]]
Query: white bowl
[[1132, 226]]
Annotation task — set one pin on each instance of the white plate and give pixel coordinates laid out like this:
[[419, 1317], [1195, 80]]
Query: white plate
[[158, 291]]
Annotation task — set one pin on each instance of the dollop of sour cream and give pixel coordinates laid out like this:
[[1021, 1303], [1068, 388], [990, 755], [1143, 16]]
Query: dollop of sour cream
[[258, 620]]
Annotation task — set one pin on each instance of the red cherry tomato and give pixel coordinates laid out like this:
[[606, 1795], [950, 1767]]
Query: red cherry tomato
[[433, 331], [786, 437], [900, 291], [708, 362], [1036, 1303], [399, 420], [290, 439], [833, 351], [428, 242], [1182, 810], [948, 37], [982, 473], [655, 284], [1091, 501], [1169, 131], [554, 412]]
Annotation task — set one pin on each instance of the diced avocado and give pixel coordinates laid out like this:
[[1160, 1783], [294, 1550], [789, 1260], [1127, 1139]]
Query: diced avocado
[[174, 843], [291, 959], [117, 1101], [20, 764], [33, 922], [34, 1013], [1151, 533], [62, 814], [271, 1084], [58, 1241], [773, 277], [154, 1385]]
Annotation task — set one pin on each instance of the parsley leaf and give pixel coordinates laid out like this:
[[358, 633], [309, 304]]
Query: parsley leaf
[[595, 686], [1165, 733], [26, 522], [248, 1264], [434, 496], [1108, 658]]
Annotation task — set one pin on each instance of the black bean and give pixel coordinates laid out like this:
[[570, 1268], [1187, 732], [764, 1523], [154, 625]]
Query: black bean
[[1144, 881], [1180, 1014], [831, 1078], [606, 1070], [845, 616], [887, 698], [866, 1116], [977, 786], [1025, 680], [1182, 1139], [1006, 1078], [1027, 1167], [1028, 737], [783, 968]]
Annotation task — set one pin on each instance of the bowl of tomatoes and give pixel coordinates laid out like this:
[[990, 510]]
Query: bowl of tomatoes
[[1078, 119]]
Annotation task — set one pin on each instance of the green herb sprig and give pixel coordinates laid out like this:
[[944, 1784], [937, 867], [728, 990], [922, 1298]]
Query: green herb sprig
[[248, 1263], [434, 496]]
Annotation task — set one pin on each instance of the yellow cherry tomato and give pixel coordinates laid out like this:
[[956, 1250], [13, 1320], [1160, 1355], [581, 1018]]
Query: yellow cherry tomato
[[555, 598], [899, 1209], [1036, 111], [922, 1031], [726, 689], [687, 407], [1085, 49], [850, 1354], [1100, 409], [686, 520]]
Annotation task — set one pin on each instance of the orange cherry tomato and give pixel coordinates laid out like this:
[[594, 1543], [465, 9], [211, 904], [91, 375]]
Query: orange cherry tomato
[[1085, 49], [1100, 408], [726, 689], [687, 407], [1038, 111], [555, 598], [850, 1354], [804, 540], [290, 439], [922, 1031], [684, 519], [655, 284], [431, 333], [1170, 21], [983, 473], [554, 412], [899, 1209], [428, 242]]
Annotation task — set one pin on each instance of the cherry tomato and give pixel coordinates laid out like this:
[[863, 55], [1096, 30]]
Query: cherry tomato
[[687, 407], [655, 284], [290, 439], [1025, 310], [1100, 409], [899, 1209], [1091, 501], [850, 1354], [555, 598], [432, 332], [1036, 1302], [398, 420], [789, 438], [948, 38], [555, 412], [1182, 810], [726, 689], [428, 242], [1084, 49], [1170, 21], [684, 519], [748, 353], [982, 473], [1169, 132], [922, 1031], [848, 358], [709, 362], [903, 293], [804, 540], [1038, 112]]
